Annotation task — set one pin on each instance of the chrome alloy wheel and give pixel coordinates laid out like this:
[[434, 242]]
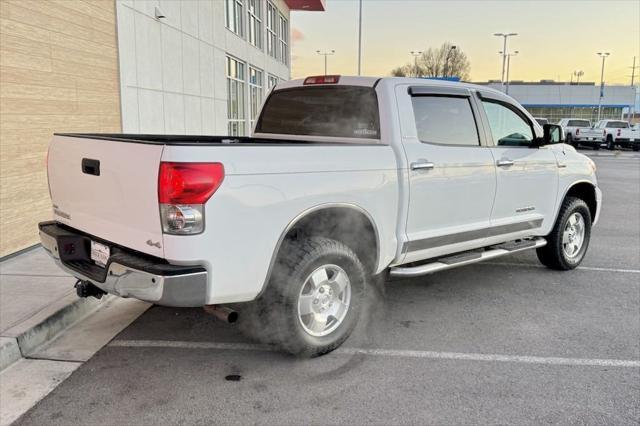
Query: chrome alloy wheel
[[324, 300], [573, 235]]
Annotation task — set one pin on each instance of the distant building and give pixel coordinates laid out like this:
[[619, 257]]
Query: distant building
[[557, 100]]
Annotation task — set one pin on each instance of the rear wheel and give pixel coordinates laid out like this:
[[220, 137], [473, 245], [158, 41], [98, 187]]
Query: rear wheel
[[568, 241], [610, 144], [313, 299]]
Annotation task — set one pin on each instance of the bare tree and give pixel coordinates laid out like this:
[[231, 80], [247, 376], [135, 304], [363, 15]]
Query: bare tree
[[445, 61]]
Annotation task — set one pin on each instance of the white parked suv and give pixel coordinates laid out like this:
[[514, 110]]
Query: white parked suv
[[345, 180]]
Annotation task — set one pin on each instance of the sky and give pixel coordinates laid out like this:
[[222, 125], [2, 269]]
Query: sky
[[555, 38]]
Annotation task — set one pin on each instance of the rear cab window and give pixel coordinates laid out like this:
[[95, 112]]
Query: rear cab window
[[617, 125], [331, 111], [578, 123]]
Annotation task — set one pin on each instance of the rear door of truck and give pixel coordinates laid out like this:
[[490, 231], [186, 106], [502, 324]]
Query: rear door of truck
[[107, 189]]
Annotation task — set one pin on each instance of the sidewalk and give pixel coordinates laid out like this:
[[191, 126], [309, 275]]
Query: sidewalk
[[47, 331], [37, 300]]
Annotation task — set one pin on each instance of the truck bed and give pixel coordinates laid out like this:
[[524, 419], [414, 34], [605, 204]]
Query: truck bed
[[198, 140]]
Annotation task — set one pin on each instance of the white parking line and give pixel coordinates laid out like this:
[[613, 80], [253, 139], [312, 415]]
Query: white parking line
[[583, 268], [455, 356]]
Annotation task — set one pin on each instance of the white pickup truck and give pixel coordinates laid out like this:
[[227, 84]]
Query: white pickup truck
[[578, 132], [345, 180], [614, 133]]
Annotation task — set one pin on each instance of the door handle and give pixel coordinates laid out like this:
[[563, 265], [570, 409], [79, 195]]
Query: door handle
[[504, 163], [422, 165], [562, 165]]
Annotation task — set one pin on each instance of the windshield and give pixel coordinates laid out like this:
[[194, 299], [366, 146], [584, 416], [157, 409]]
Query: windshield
[[579, 123], [337, 111]]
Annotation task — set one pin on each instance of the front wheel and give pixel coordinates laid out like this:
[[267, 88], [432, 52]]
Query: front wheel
[[314, 297], [568, 241]]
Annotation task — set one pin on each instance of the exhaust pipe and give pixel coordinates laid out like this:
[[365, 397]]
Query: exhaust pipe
[[222, 313]]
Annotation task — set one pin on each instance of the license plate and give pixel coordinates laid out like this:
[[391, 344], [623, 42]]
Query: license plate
[[100, 253], [632, 140]]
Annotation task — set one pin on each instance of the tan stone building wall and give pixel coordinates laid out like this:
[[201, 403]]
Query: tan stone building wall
[[58, 73]]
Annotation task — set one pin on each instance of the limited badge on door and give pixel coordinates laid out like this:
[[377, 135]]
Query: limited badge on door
[[100, 253]]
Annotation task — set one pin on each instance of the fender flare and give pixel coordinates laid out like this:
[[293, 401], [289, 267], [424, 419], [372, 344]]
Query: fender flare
[[292, 223]]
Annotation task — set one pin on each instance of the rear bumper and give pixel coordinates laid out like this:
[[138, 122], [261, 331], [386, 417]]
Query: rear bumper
[[128, 273]]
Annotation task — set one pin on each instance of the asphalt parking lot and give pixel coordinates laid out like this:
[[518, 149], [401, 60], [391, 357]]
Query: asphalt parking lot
[[505, 342]]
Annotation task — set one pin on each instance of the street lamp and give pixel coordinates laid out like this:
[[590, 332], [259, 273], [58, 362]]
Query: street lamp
[[415, 54], [603, 55], [504, 50], [446, 62], [509, 55], [325, 54]]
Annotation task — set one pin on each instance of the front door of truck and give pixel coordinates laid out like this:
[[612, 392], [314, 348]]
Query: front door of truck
[[450, 170], [527, 176]]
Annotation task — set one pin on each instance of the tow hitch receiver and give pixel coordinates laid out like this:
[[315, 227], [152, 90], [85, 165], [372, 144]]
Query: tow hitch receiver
[[86, 289]]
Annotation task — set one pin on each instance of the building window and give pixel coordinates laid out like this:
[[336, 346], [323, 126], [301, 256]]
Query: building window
[[255, 93], [236, 97], [234, 16], [254, 33], [272, 80], [272, 30], [284, 40]]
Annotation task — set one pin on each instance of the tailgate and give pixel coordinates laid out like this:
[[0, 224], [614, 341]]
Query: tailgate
[[107, 189]]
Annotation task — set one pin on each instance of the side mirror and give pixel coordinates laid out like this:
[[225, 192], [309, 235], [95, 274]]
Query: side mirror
[[552, 134]]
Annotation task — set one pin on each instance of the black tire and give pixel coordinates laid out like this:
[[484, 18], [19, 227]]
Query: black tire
[[596, 147], [610, 144], [636, 147], [275, 318], [571, 142], [553, 255]]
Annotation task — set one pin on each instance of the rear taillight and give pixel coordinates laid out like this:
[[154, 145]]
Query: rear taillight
[[604, 133], [577, 132], [619, 131], [183, 189]]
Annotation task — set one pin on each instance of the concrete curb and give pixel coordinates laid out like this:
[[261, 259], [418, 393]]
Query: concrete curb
[[26, 337], [9, 351]]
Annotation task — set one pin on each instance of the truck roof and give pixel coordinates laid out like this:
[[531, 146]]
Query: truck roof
[[348, 80]]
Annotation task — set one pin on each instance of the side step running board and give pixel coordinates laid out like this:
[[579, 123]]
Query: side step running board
[[467, 258]]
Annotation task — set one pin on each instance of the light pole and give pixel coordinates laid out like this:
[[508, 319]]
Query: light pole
[[504, 50], [508, 55], [446, 62], [359, 38], [325, 54], [415, 54], [603, 55]]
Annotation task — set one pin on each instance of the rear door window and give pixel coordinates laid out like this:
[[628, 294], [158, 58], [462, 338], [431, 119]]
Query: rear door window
[[445, 120], [334, 111]]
